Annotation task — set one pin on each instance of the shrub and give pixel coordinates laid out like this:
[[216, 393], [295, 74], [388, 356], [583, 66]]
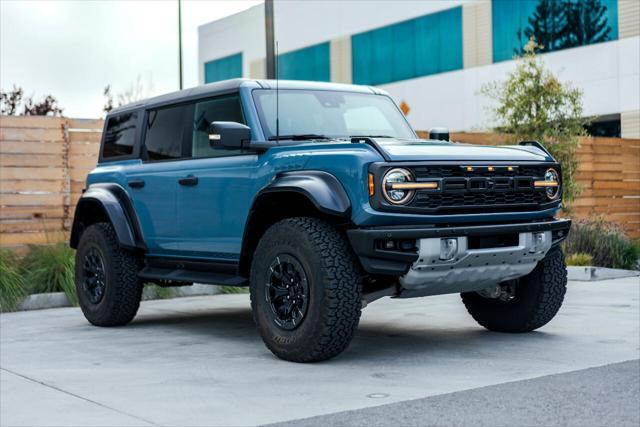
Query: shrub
[[533, 104], [50, 268], [234, 290], [579, 260], [12, 290], [605, 242]]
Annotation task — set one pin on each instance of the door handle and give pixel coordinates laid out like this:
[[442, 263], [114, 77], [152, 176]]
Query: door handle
[[136, 183], [189, 180]]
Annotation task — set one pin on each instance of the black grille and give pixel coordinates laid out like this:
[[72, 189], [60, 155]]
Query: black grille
[[480, 189], [425, 172]]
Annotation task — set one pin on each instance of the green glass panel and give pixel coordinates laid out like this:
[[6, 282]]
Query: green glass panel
[[229, 67]]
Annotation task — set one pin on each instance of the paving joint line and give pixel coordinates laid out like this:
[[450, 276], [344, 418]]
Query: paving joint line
[[79, 397]]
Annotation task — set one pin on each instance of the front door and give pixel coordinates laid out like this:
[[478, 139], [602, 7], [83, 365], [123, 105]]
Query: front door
[[217, 188]]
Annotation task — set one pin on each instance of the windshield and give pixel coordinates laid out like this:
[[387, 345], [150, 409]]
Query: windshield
[[320, 114]]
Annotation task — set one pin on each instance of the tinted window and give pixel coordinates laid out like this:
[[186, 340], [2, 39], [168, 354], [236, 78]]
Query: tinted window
[[165, 130], [225, 109], [119, 138]]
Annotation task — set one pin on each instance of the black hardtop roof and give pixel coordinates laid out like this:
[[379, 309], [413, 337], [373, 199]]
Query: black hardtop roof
[[232, 85]]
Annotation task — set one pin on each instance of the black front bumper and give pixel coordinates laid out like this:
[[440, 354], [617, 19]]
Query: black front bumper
[[376, 260]]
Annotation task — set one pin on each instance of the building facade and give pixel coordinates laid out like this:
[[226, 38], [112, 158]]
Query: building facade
[[434, 56]]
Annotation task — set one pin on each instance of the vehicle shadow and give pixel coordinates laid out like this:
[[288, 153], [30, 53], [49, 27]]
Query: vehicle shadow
[[374, 340]]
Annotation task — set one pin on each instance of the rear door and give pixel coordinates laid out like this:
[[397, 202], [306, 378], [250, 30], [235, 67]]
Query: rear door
[[153, 183]]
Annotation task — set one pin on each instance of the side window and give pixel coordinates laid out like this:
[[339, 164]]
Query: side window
[[164, 133], [119, 136], [223, 109]]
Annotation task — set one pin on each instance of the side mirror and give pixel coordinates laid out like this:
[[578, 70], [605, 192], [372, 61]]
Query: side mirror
[[229, 134], [439, 134]]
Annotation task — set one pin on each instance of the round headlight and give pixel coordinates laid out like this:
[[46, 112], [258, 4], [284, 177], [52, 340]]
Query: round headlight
[[397, 196], [551, 175]]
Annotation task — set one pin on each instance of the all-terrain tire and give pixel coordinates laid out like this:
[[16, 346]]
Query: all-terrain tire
[[538, 297], [334, 287], [122, 291]]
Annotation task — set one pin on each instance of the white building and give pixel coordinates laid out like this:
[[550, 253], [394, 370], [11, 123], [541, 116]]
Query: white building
[[435, 55]]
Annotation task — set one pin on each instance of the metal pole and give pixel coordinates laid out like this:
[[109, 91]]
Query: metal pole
[[268, 25], [180, 42]]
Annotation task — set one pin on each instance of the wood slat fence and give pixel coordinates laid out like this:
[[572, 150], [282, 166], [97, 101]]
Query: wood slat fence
[[44, 162]]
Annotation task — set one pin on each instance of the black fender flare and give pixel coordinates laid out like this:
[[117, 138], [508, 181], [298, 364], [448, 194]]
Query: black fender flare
[[323, 189], [117, 206]]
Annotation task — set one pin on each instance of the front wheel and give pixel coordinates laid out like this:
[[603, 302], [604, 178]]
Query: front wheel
[[305, 290], [524, 304]]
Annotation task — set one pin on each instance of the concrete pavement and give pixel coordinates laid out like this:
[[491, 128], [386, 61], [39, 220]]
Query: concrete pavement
[[199, 361]]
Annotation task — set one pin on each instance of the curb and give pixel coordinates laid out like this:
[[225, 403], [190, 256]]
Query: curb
[[59, 299], [594, 274]]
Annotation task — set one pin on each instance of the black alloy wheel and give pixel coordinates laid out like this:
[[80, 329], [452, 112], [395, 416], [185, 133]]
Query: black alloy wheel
[[94, 275], [287, 291]]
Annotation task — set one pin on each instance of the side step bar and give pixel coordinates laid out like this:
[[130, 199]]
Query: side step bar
[[195, 276]]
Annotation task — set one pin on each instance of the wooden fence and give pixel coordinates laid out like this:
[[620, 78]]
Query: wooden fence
[[44, 162]]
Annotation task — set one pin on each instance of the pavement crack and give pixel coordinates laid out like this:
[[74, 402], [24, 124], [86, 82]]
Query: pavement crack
[[80, 397]]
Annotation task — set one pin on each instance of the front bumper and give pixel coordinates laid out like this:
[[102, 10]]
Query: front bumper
[[368, 243]]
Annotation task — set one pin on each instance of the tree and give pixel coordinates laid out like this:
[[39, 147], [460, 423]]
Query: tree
[[48, 105], [532, 104], [108, 103], [10, 103], [547, 25], [135, 92], [587, 22]]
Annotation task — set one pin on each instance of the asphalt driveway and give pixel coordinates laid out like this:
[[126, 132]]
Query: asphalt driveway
[[199, 361]]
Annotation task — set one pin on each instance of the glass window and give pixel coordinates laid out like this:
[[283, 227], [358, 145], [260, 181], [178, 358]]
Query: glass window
[[555, 24], [225, 68], [419, 47], [165, 130], [310, 63], [330, 113], [224, 109], [119, 137]]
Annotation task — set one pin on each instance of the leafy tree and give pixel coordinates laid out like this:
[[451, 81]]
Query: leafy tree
[[532, 104], [548, 24], [587, 22]]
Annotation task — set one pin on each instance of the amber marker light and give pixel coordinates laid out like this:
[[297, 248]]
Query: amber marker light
[[372, 187], [541, 184], [414, 186], [510, 168], [490, 168], [469, 169]]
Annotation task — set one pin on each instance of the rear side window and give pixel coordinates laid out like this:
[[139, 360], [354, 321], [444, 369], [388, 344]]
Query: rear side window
[[164, 133], [119, 137]]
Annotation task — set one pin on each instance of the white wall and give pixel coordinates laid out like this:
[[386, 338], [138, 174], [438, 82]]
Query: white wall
[[608, 73], [611, 84]]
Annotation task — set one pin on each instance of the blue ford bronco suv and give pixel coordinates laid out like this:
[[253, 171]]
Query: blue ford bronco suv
[[321, 198]]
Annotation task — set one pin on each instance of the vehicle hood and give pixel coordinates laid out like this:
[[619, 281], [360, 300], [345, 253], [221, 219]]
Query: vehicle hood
[[429, 150]]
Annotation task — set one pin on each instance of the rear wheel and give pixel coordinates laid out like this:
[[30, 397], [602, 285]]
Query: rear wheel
[[305, 290], [107, 281], [524, 304]]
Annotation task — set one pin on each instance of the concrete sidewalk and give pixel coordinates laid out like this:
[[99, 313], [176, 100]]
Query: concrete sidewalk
[[199, 361]]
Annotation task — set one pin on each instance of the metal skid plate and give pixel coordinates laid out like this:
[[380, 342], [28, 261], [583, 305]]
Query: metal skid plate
[[471, 269]]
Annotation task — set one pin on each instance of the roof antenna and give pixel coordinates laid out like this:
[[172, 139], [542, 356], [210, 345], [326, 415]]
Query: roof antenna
[[277, 93]]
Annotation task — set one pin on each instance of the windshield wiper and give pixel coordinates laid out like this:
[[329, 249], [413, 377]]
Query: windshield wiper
[[371, 136], [298, 137]]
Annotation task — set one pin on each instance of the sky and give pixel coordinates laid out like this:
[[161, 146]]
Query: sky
[[73, 49]]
